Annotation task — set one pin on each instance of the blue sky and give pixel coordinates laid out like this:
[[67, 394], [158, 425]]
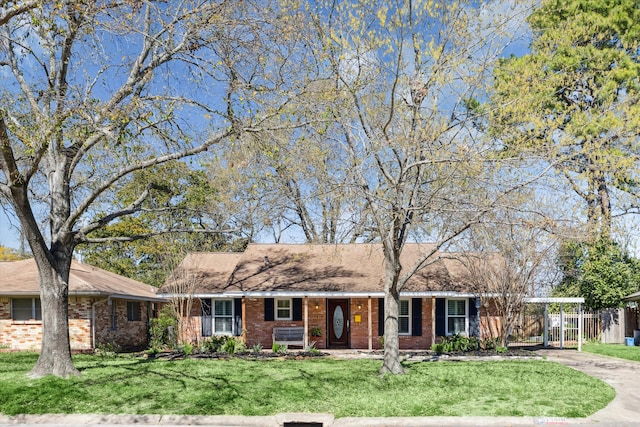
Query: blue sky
[[9, 233]]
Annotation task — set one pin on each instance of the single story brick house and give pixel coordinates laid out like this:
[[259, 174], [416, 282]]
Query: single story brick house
[[103, 308], [329, 295]]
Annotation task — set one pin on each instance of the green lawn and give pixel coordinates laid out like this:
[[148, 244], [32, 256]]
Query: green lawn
[[345, 388], [614, 350]]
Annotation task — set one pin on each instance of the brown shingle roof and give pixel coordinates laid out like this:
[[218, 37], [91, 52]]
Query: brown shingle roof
[[21, 278], [308, 268]]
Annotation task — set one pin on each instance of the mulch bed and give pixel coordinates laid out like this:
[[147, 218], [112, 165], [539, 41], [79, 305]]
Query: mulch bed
[[264, 355], [301, 355]]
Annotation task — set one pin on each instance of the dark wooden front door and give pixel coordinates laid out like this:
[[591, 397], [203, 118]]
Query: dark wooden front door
[[338, 316]]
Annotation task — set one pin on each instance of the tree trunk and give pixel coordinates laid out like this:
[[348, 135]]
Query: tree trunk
[[55, 355], [391, 363]]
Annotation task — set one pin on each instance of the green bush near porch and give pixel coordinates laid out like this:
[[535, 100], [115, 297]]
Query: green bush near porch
[[345, 388]]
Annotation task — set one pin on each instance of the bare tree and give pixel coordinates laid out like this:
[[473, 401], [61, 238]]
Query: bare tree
[[503, 263], [403, 77], [94, 91], [181, 285]]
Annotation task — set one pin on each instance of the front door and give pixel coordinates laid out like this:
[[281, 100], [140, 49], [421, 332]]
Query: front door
[[338, 327]]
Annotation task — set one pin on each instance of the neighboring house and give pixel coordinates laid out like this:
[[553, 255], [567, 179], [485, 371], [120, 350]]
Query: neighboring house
[[329, 295], [103, 308], [633, 297]]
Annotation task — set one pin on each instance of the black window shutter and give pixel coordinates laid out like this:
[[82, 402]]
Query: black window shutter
[[441, 318], [380, 317], [297, 309], [473, 311], [206, 317], [268, 309], [416, 317], [237, 316], [206, 306]]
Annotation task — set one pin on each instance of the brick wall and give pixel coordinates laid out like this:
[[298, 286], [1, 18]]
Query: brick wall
[[80, 323], [258, 331], [127, 334], [27, 335]]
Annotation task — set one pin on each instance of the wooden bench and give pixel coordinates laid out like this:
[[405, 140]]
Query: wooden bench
[[292, 335]]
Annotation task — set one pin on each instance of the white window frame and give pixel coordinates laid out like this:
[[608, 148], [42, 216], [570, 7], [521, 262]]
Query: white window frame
[[215, 316], [408, 316], [277, 309], [34, 310], [466, 315]]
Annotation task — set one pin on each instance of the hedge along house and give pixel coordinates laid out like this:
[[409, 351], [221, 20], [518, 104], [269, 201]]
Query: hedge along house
[[103, 308], [328, 295]]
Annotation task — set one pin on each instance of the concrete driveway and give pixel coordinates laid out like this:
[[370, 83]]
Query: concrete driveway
[[621, 374]]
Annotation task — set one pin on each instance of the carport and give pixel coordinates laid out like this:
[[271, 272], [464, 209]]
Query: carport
[[562, 324]]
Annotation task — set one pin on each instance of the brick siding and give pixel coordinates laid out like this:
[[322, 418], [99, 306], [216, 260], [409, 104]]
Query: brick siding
[[27, 335], [258, 331]]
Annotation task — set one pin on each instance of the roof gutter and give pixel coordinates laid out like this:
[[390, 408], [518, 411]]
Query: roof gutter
[[89, 294], [302, 294], [559, 300]]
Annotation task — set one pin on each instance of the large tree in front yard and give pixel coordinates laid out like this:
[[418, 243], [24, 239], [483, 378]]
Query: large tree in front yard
[[574, 100], [402, 76], [93, 92]]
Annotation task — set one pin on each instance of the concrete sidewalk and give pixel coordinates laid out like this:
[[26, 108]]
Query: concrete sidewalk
[[624, 410]]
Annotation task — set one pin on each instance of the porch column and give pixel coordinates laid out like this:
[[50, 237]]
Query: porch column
[[433, 320], [369, 324], [243, 333], [546, 324], [561, 327], [579, 326], [306, 322]]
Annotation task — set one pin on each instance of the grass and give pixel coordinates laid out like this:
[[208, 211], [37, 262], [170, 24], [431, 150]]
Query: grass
[[614, 350], [345, 388]]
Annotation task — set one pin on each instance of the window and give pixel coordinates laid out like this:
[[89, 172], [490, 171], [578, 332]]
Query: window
[[404, 317], [217, 317], [457, 316], [223, 316], [133, 311], [283, 309], [114, 315], [26, 309]]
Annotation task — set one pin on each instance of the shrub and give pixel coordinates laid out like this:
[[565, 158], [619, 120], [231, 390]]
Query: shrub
[[456, 343], [223, 344], [162, 330], [107, 349], [241, 346], [437, 348], [256, 348], [311, 348], [213, 344], [489, 343], [279, 348], [229, 346], [186, 348]]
